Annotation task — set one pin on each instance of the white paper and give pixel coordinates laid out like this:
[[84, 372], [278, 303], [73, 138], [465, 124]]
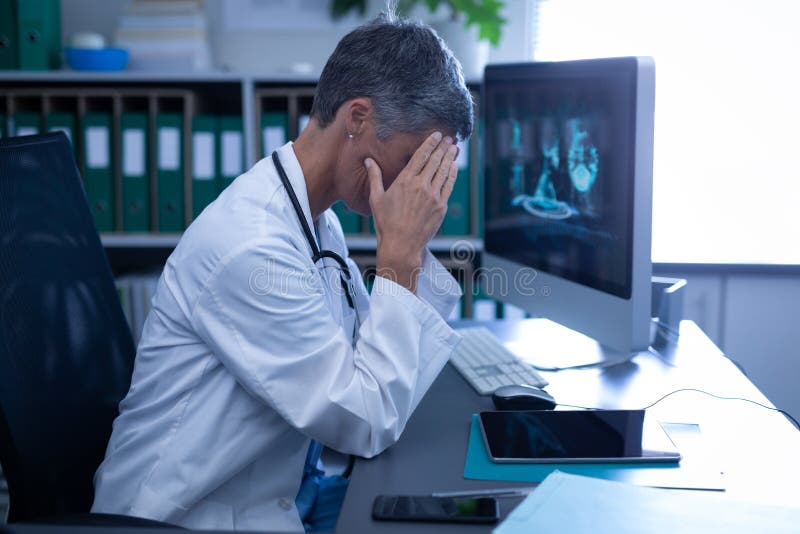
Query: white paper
[[571, 503], [203, 156], [98, 152], [231, 154], [169, 148], [462, 160], [66, 131], [513, 312], [27, 130], [274, 137], [133, 163], [484, 310]]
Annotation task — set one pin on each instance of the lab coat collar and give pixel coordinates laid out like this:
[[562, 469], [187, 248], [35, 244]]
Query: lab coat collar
[[295, 174]]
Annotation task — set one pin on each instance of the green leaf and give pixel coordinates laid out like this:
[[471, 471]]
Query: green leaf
[[340, 8], [482, 13]]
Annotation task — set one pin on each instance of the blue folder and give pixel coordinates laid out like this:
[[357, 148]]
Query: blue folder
[[695, 471]]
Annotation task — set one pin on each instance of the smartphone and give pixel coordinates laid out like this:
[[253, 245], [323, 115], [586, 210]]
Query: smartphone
[[586, 436], [445, 509]]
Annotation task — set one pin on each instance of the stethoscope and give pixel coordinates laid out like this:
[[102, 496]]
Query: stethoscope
[[317, 254]]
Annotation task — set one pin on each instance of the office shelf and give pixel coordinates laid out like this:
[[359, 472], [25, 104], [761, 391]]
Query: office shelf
[[213, 93], [437, 245], [359, 243], [140, 240]]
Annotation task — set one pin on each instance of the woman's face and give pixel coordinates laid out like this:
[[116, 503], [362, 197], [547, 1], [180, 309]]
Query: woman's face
[[391, 154]]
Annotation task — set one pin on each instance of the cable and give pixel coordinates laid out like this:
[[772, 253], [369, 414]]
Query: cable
[[784, 412]]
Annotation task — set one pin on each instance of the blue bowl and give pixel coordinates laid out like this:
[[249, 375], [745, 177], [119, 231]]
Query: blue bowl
[[96, 58]]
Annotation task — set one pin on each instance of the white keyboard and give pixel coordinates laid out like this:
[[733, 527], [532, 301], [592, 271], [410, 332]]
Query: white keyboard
[[486, 364]]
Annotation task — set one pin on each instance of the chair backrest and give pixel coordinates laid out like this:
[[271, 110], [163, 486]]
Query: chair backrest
[[66, 353]]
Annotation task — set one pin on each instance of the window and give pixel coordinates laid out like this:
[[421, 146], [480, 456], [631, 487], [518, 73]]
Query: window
[[727, 148]]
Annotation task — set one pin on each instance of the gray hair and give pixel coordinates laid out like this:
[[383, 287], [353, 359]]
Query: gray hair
[[406, 70]]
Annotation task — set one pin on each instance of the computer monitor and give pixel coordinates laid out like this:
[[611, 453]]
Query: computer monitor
[[568, 156]]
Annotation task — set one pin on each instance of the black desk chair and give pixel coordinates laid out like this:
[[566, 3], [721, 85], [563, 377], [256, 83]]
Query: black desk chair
[[66, 353]]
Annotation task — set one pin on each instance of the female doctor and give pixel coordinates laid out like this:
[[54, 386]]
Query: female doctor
[[262, 336]]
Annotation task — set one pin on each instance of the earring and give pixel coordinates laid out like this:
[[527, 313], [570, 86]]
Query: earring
[[349, 135]]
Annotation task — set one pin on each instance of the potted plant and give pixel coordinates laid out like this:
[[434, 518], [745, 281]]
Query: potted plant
[[468, 30]]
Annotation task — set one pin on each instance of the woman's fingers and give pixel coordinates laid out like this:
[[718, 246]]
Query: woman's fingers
[[447, 188], [444, 169], [435, 160], [420, 157]]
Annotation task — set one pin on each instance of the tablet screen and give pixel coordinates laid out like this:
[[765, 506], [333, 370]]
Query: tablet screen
[[564, 436]]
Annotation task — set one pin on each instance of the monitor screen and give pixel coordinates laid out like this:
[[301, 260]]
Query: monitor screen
[[559, 170]]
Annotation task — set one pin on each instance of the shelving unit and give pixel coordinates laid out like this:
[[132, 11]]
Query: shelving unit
[[200, 93]]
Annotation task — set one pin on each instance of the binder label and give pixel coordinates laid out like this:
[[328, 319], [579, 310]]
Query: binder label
[[169, 150], [462, 160], [27, 130], [203, 156], [98, 152], [66, 131], [133, 152], [274, 138], [231, 154]]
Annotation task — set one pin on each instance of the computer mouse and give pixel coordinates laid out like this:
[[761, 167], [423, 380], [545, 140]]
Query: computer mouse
[[522, 397]]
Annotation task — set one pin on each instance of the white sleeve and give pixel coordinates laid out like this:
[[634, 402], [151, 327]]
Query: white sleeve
[[263, 313], [437, 287]]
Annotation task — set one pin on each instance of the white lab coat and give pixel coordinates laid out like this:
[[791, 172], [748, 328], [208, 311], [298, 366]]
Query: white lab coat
[[248, 353]]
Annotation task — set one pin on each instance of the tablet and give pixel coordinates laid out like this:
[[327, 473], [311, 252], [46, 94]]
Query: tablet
[[590, 436]]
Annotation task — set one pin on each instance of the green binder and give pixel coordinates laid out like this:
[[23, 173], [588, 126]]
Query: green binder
[[61, 122], [350, 220], [98, 165], [134, 172], [231, 149], [8, 36], [204, 167], [27, 123], [274, 131], [38, 34], [169, 169], [456, 220]]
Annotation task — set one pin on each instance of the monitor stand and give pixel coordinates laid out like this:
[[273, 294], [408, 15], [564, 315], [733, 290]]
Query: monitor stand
[[550, 346]]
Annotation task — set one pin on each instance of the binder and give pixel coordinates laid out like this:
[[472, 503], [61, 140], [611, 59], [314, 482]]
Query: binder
[[97, 172], [350, 220], [274, 131], [61, 122], [169, 171], [231, 149], [26, 123], [38, 34], [456, 220], [8, 36], [134, 172], [204, 157]]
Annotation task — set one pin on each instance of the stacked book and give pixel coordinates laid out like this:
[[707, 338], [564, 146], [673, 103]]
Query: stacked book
[[165, 35]]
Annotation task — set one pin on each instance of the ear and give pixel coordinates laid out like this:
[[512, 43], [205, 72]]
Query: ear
[[357, 114]]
